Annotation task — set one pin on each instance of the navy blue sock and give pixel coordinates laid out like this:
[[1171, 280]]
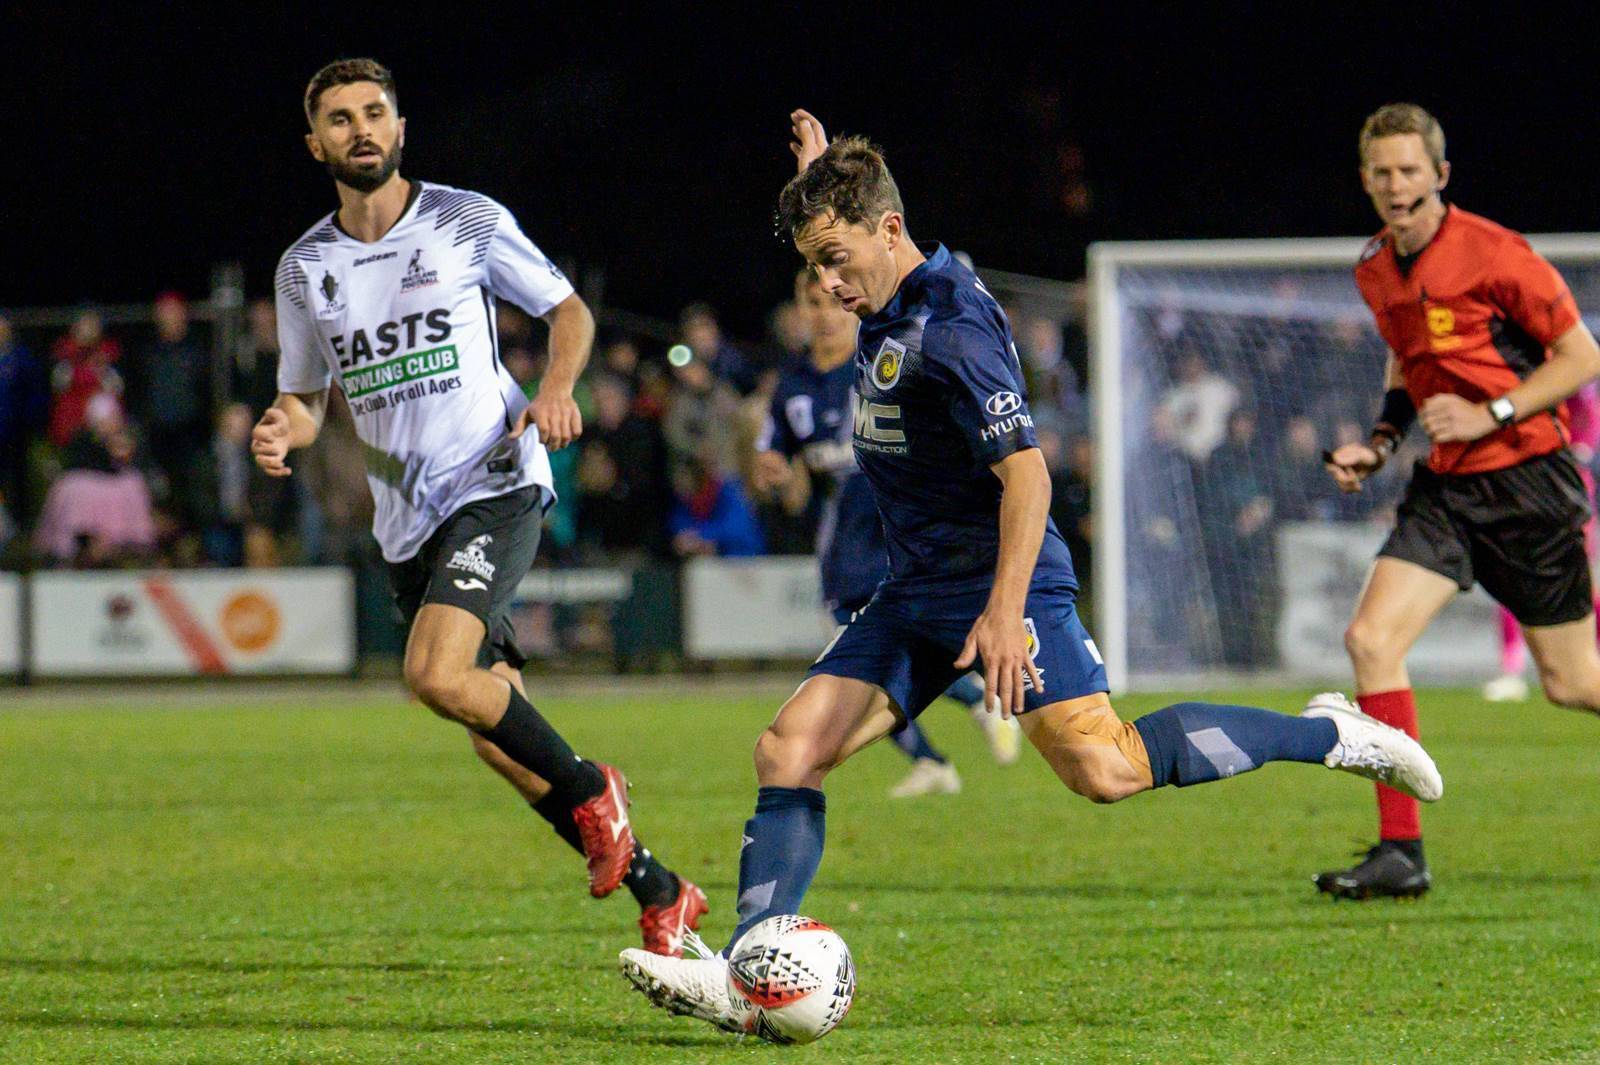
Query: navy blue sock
[[914, 742], [782, 849], [1192, 743], [966, 691]]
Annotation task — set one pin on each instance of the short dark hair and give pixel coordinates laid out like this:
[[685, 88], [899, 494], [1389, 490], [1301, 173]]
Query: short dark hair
[[348, 72], [849, 180]]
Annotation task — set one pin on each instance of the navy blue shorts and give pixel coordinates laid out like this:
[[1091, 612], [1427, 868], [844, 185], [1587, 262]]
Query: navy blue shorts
[[906, 644]]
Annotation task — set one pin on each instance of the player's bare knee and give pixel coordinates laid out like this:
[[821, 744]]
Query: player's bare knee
[[439, 688], [1367, 645], [789, 761]]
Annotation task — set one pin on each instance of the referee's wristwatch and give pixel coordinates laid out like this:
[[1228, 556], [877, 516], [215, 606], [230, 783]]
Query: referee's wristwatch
[[1502, 411]]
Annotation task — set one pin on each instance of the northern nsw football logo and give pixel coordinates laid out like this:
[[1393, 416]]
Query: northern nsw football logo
[[472, 559], [417, 275], [886, 367]]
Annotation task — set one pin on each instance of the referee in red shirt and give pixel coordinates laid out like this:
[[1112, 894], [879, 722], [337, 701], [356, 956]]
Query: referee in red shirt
[[1485, 344]]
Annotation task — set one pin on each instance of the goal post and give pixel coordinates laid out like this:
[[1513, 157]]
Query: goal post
[[1220, 370]]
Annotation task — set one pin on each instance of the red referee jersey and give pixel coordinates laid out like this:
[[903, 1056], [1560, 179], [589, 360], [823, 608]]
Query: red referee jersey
[[1474, 315]]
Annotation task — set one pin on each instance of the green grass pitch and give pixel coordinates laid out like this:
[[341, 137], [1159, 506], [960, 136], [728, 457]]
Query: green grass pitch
[[337, 880]]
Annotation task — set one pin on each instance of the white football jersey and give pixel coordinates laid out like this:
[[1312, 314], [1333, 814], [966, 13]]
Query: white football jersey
[[406, 327]]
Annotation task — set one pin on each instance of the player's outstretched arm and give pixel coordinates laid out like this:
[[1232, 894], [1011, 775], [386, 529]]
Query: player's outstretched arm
[[998, 637], [810, 139], [293, 421], [553, 409], [1574, 361]]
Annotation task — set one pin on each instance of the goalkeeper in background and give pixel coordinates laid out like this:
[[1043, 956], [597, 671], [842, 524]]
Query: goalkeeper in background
[[1485, 346]]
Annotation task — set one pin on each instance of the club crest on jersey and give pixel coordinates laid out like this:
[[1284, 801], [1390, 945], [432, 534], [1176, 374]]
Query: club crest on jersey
[[886, 367], [331, 303], [417, 276]]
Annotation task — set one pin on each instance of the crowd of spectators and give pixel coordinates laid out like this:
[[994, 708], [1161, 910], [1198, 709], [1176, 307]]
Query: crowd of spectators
[[133, 449], [129, 446], [1240, 407]]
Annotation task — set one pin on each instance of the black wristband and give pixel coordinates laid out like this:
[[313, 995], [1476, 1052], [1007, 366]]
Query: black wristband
[[1396, 415]]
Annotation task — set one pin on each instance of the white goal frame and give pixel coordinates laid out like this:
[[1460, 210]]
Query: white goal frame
[[1106, 259]]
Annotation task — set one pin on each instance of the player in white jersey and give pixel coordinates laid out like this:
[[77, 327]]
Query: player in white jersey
[[392, 297]]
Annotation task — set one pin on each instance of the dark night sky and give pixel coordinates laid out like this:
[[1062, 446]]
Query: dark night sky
[[144, 147]]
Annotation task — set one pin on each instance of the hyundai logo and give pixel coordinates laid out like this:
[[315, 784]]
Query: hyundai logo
[[1002, 403]]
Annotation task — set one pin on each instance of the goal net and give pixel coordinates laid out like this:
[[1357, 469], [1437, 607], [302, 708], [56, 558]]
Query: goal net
[[1222, 370]]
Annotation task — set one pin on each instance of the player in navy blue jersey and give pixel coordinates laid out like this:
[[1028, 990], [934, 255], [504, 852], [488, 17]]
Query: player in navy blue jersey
[[808, 436], [977, 574]]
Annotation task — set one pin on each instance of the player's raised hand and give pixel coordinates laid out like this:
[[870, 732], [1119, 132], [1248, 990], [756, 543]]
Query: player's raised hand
[[1350, 464], [810, 140], [269, 442], [1449, 419], [555, 415], [1002, 643]]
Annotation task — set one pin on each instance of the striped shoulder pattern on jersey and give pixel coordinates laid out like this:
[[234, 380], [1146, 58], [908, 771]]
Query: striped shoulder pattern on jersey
[[473, 215], [308, 249]]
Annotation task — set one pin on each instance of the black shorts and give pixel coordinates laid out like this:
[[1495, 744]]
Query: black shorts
[[475, 561], [1517, 531]]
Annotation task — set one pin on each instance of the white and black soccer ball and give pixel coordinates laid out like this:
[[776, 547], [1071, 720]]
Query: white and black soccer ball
[[791, 978]]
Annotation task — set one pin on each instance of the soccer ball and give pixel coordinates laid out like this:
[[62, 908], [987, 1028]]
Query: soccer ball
[[791, 978]]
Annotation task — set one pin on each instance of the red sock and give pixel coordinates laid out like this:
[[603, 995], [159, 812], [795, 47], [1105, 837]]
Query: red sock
[[1399, 815]]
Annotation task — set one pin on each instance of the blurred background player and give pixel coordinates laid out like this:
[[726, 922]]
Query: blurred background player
[[978, 573], [395, 293], [1511, 686], [808, 434], [1485, 342]]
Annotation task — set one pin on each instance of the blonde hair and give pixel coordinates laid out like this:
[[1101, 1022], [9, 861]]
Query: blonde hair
[[1392, 120]]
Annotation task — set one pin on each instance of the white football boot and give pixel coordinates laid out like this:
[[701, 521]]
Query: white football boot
[[693, 987], [1003, 734], [1369, 748], [927, 777]]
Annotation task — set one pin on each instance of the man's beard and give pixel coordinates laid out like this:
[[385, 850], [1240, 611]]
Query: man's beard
[[366, 179]]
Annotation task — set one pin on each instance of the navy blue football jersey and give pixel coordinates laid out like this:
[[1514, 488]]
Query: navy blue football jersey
[[810, 417], [940, 398]]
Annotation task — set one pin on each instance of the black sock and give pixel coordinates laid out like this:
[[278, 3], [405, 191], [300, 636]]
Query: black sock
[[651, 883], [1411, 848], [530, 741], [560, 817]]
